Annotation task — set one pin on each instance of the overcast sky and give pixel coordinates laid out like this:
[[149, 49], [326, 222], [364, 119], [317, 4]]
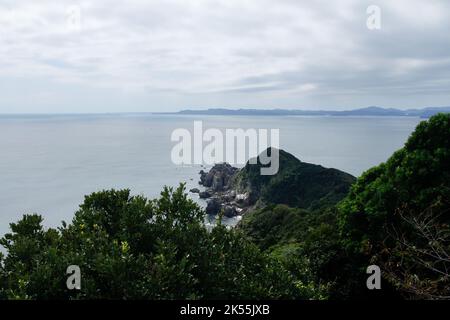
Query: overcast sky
[[169, 55]]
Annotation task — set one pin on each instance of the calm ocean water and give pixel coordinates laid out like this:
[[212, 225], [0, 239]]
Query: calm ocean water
[[48, 163]]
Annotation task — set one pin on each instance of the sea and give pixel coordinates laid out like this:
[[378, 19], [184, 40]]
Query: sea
[[48, 163]]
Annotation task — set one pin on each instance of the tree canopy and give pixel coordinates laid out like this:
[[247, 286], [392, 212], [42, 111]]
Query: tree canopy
[[384, 215], [131, 247]]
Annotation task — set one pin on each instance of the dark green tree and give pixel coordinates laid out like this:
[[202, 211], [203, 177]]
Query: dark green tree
[[129, 247], [385, 200]]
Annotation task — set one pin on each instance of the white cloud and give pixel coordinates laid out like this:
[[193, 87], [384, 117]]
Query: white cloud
[[159, 55]]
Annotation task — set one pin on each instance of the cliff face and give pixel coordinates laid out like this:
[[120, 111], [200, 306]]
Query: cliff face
[[218, 178], [297, 184]]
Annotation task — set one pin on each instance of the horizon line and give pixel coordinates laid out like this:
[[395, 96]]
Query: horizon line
[[212, 108]]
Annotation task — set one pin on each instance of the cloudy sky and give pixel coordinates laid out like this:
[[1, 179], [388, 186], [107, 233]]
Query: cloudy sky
[[136, 55]]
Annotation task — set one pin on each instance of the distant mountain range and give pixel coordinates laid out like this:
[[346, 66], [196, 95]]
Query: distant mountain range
[[369, 111]]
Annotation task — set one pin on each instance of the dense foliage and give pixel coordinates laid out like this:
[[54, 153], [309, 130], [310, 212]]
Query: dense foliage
[[382, 218], [297, 184], [129, 247], [396, 215], [309, 244]]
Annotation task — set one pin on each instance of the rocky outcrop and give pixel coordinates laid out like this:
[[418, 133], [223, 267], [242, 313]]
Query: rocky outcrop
[[205, 194], [218, 178], [226, 204], [296, 184], [214, 206], [220, 192]]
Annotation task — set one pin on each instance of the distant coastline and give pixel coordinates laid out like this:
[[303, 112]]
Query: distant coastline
[[369, 111], [361, 112]]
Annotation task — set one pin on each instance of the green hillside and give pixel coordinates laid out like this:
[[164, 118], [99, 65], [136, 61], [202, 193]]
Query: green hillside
[[396, 215], [297, 184]]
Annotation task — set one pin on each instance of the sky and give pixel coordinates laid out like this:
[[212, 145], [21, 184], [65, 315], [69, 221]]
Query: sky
[[151, 56]]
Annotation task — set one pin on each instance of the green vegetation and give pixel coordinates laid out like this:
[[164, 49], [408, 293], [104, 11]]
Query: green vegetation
[[131, 248], [396, 215], [297, 184], [307, 242], [313, 240]]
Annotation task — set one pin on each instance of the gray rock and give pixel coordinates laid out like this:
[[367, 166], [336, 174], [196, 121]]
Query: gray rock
[[220, 192], [213, 206], [229, 211], [229, 196], [219, 177], [194, 190], [217, 182], [205, 194], [242, 199]]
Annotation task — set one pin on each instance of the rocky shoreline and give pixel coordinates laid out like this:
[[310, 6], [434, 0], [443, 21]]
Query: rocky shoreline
[[297, 184], [220, 194]]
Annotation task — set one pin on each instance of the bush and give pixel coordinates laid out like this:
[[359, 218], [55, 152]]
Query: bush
[[129, 247], [386, 206]]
